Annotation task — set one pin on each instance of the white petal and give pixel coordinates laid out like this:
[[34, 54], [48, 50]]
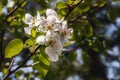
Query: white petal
[[28, 18], [37, 23], [27, 30], [64, 25], [52, 55], [57, 27], [10, 3], [41, 28], [42, 21], [70, 30], [48, 35], [58, 47], [50, 12], [62, 19], [51, 19], [40, 40], [38, 15]]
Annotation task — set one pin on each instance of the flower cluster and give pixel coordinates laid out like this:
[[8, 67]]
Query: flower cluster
[[55, 32]]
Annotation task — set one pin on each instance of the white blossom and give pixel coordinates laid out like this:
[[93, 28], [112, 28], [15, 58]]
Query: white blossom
[[52, 20], [55, 49], [56, 32], [10, 3], [40, 40], [34, 22], [67, 35]]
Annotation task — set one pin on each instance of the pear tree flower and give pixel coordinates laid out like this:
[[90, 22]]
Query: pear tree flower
[[53, 21], [30, 20], [33, 22], [55, 47], [55, 32], [65, 32]]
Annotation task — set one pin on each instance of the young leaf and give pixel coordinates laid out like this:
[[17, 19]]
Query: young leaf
[[13, 48], [60, 5], [42, 65], [72, 2], [33, 32], [29, 42], [0, 8], [88, 30], [113, 14]]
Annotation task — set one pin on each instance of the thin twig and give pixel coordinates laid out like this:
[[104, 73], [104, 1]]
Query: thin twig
[[83, 14], [31, 65], [72, 50], [2, 33], [11, 64], [71, 8]]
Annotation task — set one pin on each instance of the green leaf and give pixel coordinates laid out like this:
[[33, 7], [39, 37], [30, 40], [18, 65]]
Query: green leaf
[[43, 63], [113, 13], [29, 42], [0, 8], [60, 5], [88, 30], [72, 2], [5, 70], [100, 46], [62, 13], [42, 66], [72, 56], [18, 74], [4, 2], [13, 48], [77, 31], [33, 32], [85, 58], [97, 22], [84, 7]]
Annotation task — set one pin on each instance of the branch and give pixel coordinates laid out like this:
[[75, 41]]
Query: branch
[[71, 50], [11, 64], [71, 8], [74, 48], [11, 72], [1, 46], [31, 65], [83, 14]]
